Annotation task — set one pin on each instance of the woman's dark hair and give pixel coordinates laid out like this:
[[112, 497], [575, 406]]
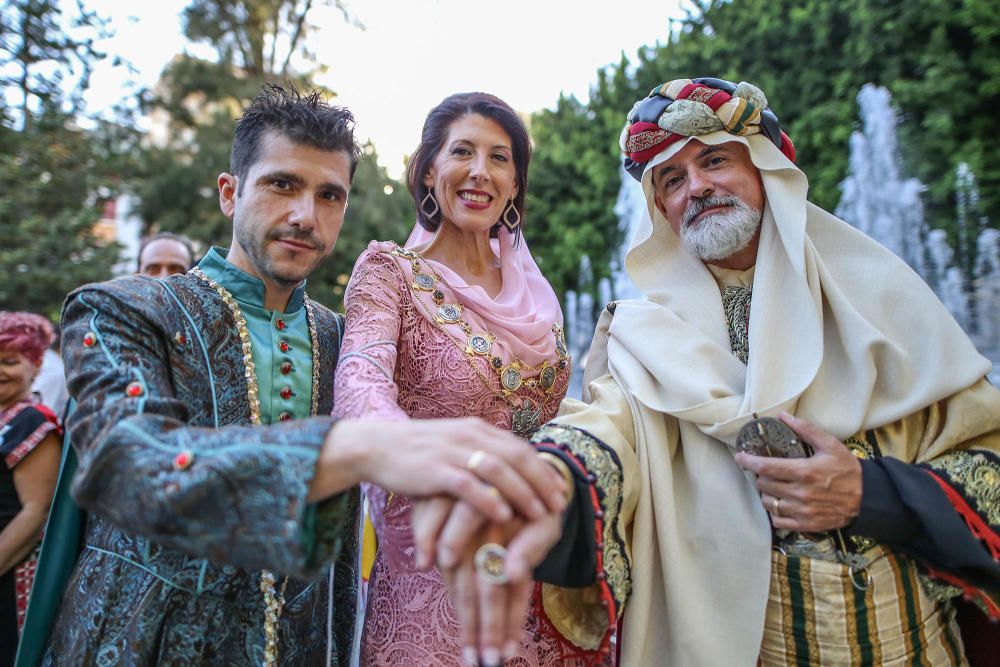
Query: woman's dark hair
[[436, 131]]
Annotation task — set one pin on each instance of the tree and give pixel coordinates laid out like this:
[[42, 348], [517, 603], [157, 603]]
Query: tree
[[47, 64], [49, 174], [940, 59], [51, 169], [574, 182]]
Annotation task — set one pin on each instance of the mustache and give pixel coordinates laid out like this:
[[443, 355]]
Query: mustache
[[699, 206], [297, 235]]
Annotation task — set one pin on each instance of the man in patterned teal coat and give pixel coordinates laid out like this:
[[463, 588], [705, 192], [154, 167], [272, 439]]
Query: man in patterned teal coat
[[215, 508]]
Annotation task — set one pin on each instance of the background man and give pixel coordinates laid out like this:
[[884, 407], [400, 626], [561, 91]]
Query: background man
[[759, 303], [164, 254], [216, 505]]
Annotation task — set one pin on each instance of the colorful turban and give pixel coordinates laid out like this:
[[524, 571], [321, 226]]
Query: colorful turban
[[691, 107]]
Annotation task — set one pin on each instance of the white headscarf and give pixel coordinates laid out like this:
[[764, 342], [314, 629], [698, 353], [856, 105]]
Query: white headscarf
[[842, 333]]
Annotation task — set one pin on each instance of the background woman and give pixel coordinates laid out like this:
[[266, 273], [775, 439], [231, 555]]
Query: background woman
[[458, 323], [29, 445]]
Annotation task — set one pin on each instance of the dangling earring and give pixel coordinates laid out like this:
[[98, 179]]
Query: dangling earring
[[429, 198], [511, 225]]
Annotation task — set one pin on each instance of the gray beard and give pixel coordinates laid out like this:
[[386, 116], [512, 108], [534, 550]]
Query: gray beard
[[719, 235]]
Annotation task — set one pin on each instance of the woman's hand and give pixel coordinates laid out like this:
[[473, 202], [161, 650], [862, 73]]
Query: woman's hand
[[493, 470]]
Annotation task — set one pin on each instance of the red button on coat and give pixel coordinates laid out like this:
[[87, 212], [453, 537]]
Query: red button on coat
[[89, 339], [183, 460], [134, 389], [280, 324], [283, 346], [284, 416], [285, 392], [286, 367]]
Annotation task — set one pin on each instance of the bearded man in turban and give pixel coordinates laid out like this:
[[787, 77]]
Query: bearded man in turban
[[762, 309]]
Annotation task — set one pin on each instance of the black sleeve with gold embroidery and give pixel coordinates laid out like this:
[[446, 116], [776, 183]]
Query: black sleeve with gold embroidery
[[970, 480], [591, 551], [944, 514]]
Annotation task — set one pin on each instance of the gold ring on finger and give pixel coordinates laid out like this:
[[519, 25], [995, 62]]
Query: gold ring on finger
[[475, 459], [489, 560], [776, 507]]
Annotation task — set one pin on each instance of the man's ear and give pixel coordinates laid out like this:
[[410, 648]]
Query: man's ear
[[227, 194], [660, 207]]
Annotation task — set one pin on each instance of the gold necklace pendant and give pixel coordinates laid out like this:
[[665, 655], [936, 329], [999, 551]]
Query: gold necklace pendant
[[400, 251], [561, 349], [449, 313], [480, 344], [547, 377], [423, 281], [525, 419], [510, 378]]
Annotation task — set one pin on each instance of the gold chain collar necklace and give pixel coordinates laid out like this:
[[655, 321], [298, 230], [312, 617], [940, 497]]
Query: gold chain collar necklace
[[274, 600], [525, 416]]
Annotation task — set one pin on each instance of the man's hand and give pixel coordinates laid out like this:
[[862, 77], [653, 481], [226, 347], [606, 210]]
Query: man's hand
[[492, 616], [421, 458], [819, 493]]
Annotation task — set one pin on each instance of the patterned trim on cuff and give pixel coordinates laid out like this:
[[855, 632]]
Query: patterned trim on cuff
[[970, 480], [592, 460]]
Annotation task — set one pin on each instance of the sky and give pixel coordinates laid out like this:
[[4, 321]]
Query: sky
[[413, 53]]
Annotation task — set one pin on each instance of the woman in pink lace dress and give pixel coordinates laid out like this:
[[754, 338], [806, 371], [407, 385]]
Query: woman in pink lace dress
[[459, 323]]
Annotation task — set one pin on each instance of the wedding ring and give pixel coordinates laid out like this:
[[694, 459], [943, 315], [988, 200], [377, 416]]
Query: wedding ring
[[474, 460], [489, 562], [776, 507]]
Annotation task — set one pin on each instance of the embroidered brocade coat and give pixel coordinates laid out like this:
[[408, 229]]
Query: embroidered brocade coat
[[170, 568]]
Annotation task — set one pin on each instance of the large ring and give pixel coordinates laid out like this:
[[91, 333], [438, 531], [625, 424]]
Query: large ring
[[776, 507], [490, 561], [475, 459]]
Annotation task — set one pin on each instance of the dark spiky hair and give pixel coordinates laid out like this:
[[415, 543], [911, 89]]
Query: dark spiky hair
[[304, 119]]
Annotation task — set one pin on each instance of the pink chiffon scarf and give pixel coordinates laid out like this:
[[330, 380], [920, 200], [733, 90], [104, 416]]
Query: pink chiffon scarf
[[522, 314]]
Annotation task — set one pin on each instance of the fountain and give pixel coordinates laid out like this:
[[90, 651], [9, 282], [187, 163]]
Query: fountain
[[887, 207]]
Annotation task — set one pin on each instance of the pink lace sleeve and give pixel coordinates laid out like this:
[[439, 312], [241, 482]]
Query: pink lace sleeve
[[364, 385]]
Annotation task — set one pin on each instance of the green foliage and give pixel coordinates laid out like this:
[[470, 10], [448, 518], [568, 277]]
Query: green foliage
[[31, 34], [940, 59], [574, 182], [49, 174], [52, 171]]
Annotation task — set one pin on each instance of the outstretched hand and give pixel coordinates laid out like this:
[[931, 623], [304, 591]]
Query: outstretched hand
[[815, 494], [493, 470]]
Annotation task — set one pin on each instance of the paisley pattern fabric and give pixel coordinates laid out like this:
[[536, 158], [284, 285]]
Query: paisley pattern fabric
[[170, 568]]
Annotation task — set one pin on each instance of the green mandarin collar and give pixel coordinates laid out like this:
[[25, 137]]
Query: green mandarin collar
[[246, 289]]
